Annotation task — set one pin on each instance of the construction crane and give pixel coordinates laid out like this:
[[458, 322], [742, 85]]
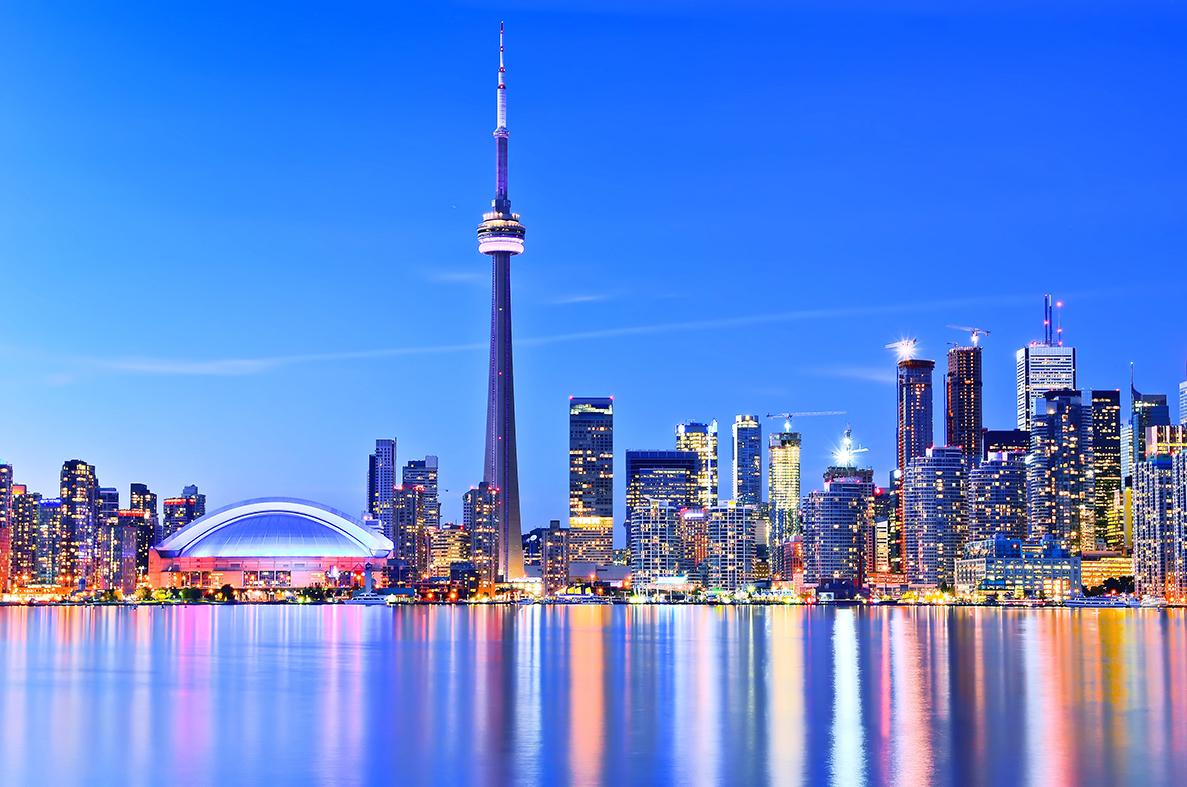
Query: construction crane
[[846, 453], [811, 414], [905, 348], [975, 333]]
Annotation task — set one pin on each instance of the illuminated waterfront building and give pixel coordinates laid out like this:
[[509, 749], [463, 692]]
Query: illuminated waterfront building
[[701, 439], [448, 545], [500, 236], [109, 505], [1097, 567], [915, 431], [783, 491], [180, 511], [381, 485], [729, 564], [6, 523], [1005, 566], [1015, 442], [656, 550], [835, 521], [23, 553], [1106, 470], [1041, 367], [141, 498], [747, 454], [1147, 410], [1058, 502], [422, 473], [554, 557], [661, 477], [412, 530], [76, 559], [266, 544], [141, 523], [480, 517], [1178, 586], [117, 554], [964, 402], [997, 498], [1155, 517], [52, 547], [591, 479], [885, 533], [692, 530], [934, 515]]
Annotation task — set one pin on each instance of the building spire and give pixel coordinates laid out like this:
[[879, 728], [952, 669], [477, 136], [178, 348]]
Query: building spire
[[502, 202]]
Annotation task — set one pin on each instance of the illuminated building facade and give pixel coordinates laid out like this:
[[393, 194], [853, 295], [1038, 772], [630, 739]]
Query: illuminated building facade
[[180, 511], [1147, 410], [1165, 440], [964, 402], [1015, 442], [77, 552], [934, 515], [1106, 470], [1096, 568], [554, 557], [701, 439], [381, 485], [835, 520], [915, 432], [997, 498], [448, 545], [480, 516], [656, 550], [783, 491], [1183, 403], [1058, 500], [422, 473], [747, 455], [591, 479], [117, 555], [6, 523], [1155, 520], [693, 534], [52, 544], [142, 527], [729, 564], [23, 555], [1041, 368], [412, 529], [1004, 566], [141, 498], [660, 477]]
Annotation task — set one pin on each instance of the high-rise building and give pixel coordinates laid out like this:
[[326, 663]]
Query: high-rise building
[[1183, 403], [729, 564], [1154, 520], [480, 517], [1165, 439], [747, 475], [656, 550], [54, 558], [116, 550], [915, 432], [554, 557], [412, 532], [1013, 442], [1178, 586], [783, 491], [934, 491], [692, 530], [702, 439], [1106, 470], [660, 477], [141, 498], [1058, 502], [381, 485], [997, 498], [591, 479], [1043, 366], [77, 554], [448, 545], [500, 235], [835, 521], [23, 557], [6, 516], [964, 398], [180, 511], [1147, 410], [109, 505], [141, 523], [423, 473]]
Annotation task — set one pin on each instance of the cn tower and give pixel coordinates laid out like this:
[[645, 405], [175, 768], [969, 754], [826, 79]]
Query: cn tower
[[500, 235]]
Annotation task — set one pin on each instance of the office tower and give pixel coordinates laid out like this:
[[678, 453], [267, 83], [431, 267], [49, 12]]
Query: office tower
[[655, 543], [554, 557], [660, 477], [692, 530], [80, 518], [1183, 403], [480, 516], [54, 558], [116, 548], [1058, 502], [381, 485], [448, 545], [1154, 520], [702, 439], [997, 498], [747, 475], [533, 545], [1178, 588], [1106, 470], [914, 409], [500, 235], [591, 479], [731, 540], [962, 422], [423, 473], [1043, 366], [835, 520], [783, 491], [109, 505], [180, 511], [6, 515], [1015, 442], [141, 522], [1165, 439], [411, 528], [934, 489], [1147, 410], [877, 546], [141, 498], [23, 554]]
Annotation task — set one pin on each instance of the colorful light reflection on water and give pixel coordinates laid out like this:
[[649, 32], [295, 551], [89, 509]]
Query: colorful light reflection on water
[[689, 695]]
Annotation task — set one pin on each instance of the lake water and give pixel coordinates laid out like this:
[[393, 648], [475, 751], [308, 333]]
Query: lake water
[[641, 695]]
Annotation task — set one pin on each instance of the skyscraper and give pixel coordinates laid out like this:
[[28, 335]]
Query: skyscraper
[[729, 564], [423, 473], [660, 477], [1154, 520], [53, 556], [1183, 403], [141, 498], [180, 511], [80, 519], [1058, 502], [783, 490], [997, 498], [6, 517], [143, 531], [1043, 366], [23, 565], [747, 475], [500, 235], [835, 521], [480, 513], [963, 421], [591, 479], [1147, 410], [934, 515], [381, 484], [655, 543], [915, 433], [116, 550], [412, 533], [1106, 470], [701, 438]]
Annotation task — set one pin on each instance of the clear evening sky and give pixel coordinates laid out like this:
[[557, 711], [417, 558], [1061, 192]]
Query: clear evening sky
[[237, 243]]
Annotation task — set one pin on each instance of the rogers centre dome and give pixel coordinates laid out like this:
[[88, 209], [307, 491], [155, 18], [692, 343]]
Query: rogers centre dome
[[268, 543]]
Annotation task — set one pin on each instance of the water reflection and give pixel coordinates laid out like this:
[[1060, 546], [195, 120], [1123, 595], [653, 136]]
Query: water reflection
[[589, 695]]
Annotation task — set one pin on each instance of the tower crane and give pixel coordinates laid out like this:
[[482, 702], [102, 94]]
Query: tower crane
[[975, 333], [810, 414], [846, 453], [904, 348]]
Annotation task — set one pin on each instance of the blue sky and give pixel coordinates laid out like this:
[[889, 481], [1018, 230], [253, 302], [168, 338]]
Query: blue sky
[[238, 244]]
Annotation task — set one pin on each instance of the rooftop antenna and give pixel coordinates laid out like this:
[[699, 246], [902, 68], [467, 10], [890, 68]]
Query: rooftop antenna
[[1059, 323], [1047, 319]]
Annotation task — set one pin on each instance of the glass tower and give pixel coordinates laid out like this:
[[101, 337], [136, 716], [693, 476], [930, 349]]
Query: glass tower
[[591, 479], [701, 438], [747, 476]]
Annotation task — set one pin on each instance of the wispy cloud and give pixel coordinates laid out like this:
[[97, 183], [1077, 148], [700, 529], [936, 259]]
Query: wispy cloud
[[467, 277], [585, 297]]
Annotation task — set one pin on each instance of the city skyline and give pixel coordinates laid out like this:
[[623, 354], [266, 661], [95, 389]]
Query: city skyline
[[179, 412]]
